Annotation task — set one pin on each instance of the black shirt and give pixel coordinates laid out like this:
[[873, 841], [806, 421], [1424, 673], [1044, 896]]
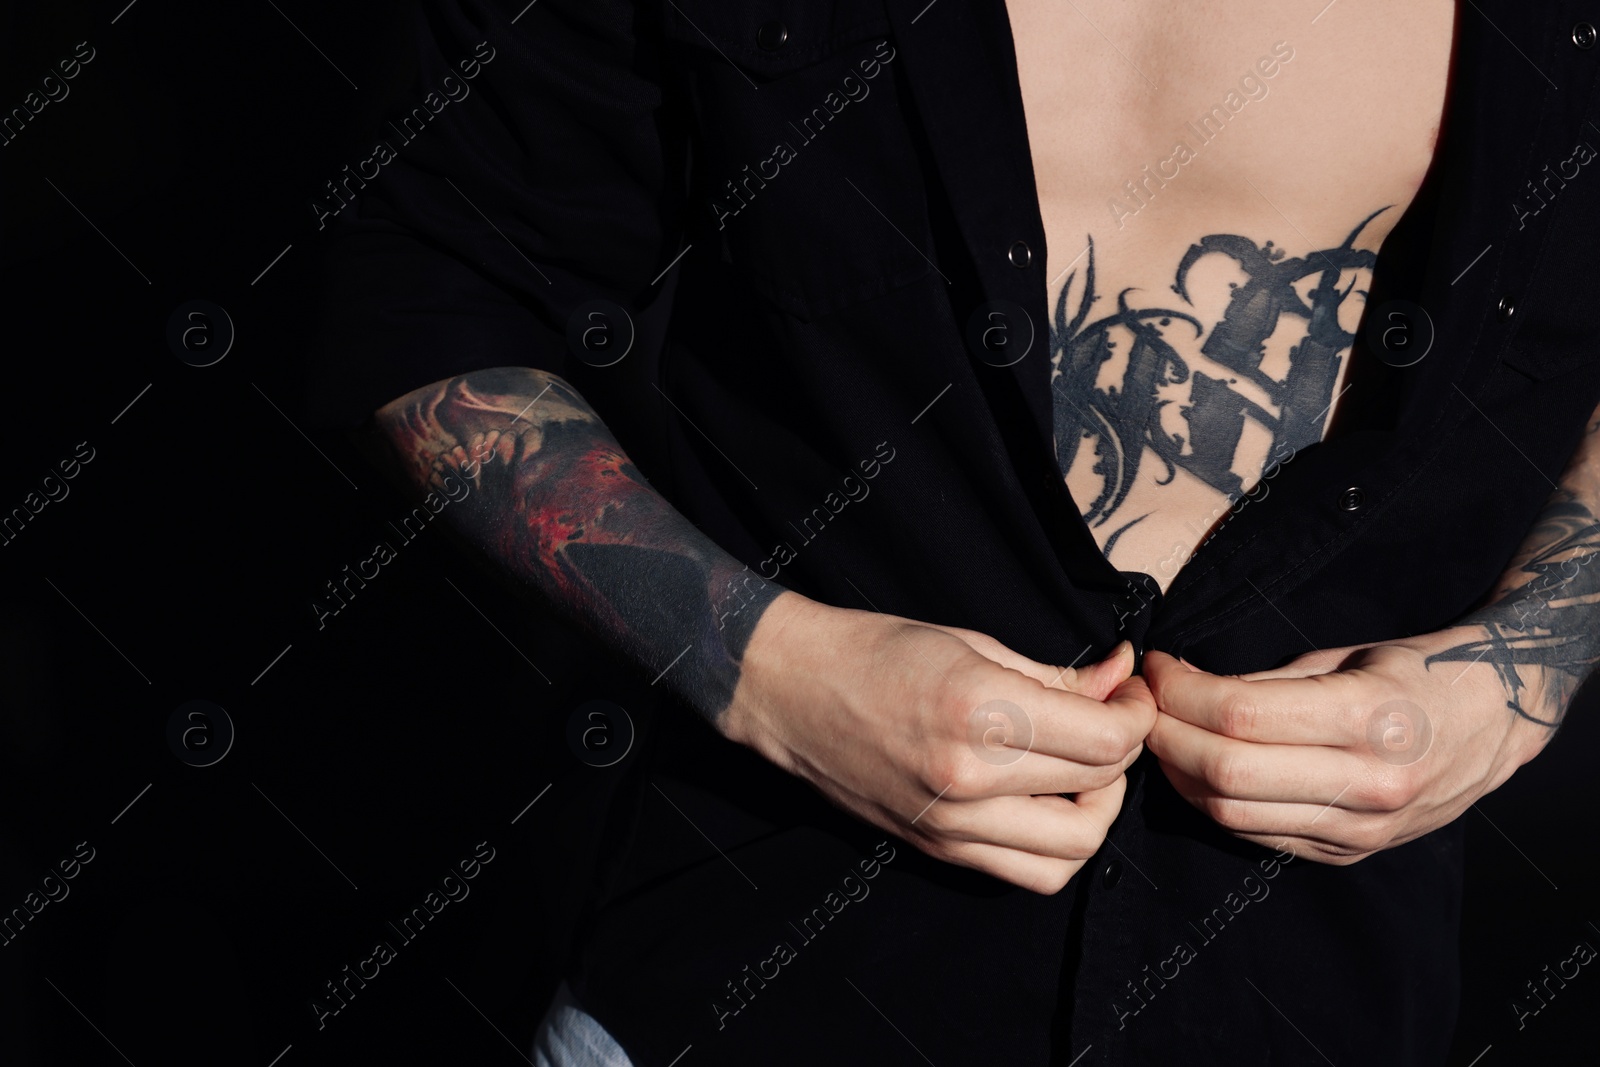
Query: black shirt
[[798, 310]]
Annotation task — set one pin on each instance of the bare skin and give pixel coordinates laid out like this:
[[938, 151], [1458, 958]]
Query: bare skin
[[1190, 144], [876, 711], [1192, 356], [1346, 751], [886, 716]]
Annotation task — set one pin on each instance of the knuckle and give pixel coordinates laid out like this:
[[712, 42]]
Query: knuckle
[[965, 778], [1105, 742], [943, 766], [1082, 841], [1389, 790], [1054, 876], [1227, 773], [1351, 718], [971, 676], [1237, 716], [1227, 812]]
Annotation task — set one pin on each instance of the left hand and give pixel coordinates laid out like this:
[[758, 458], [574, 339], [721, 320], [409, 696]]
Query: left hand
[[1342, 752]]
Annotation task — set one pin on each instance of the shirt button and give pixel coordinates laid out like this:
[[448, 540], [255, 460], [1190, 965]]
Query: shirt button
[[1020, 255], [1352, 499], [1112, 874], [1506, 308], [1584, 36], [771, 36]]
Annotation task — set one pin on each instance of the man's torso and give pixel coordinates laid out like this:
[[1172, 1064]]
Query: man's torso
[[1214, 181]]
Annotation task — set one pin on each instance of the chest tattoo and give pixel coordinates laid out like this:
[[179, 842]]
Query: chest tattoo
[[1123, 421]]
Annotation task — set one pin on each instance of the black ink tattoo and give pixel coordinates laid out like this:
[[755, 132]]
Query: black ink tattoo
[[1125, 422], [1550, 622]]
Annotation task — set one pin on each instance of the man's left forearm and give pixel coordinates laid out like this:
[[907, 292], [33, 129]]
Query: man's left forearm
[[1540, 627], [1343, 752]]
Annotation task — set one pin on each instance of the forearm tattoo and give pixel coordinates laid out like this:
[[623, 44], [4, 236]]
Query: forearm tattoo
[[1541, 626], [548, 494], [1123, 423]]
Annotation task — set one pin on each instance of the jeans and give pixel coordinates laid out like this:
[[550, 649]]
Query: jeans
[[570, 1037]]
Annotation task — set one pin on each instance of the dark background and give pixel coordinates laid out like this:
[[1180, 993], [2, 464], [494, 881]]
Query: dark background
[[373, 754]]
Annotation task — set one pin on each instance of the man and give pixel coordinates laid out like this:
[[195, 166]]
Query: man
[[867, 375]]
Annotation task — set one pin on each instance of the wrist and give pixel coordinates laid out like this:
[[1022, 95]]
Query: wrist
[[1539, 711], [1478, 657], [771, 659]]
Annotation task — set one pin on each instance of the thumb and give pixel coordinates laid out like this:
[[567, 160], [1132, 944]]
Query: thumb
[[1099, 679]]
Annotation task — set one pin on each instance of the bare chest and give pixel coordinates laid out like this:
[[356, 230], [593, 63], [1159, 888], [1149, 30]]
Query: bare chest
[[1215, 181]]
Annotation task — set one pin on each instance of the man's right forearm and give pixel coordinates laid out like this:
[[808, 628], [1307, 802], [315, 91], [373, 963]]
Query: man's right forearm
[[545, 490], [891, 719]]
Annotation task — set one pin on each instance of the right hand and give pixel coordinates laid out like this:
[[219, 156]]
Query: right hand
[[880, 713]]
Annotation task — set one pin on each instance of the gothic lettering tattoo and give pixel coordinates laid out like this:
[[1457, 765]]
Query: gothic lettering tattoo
[[1123, 423], [555, 501]]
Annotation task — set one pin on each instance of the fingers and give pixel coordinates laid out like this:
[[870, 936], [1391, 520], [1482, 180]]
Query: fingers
[[1098, 680], [1323, 833], [1016, 707], [1044, 825], [1038, 843], [1023, 733], [1101, 805], [1296, 774], [1304, 848], [1100, 733], [1319, 662], [1094, 680], [1326, 823], [1045, 875], [1017, 736], [1031, 774], [1320, 709]]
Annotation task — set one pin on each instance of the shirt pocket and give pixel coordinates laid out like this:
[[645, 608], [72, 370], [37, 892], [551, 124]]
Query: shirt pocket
[[805, 167]]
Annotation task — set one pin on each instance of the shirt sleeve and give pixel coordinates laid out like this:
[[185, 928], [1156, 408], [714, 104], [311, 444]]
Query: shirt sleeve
[[524, 172]]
